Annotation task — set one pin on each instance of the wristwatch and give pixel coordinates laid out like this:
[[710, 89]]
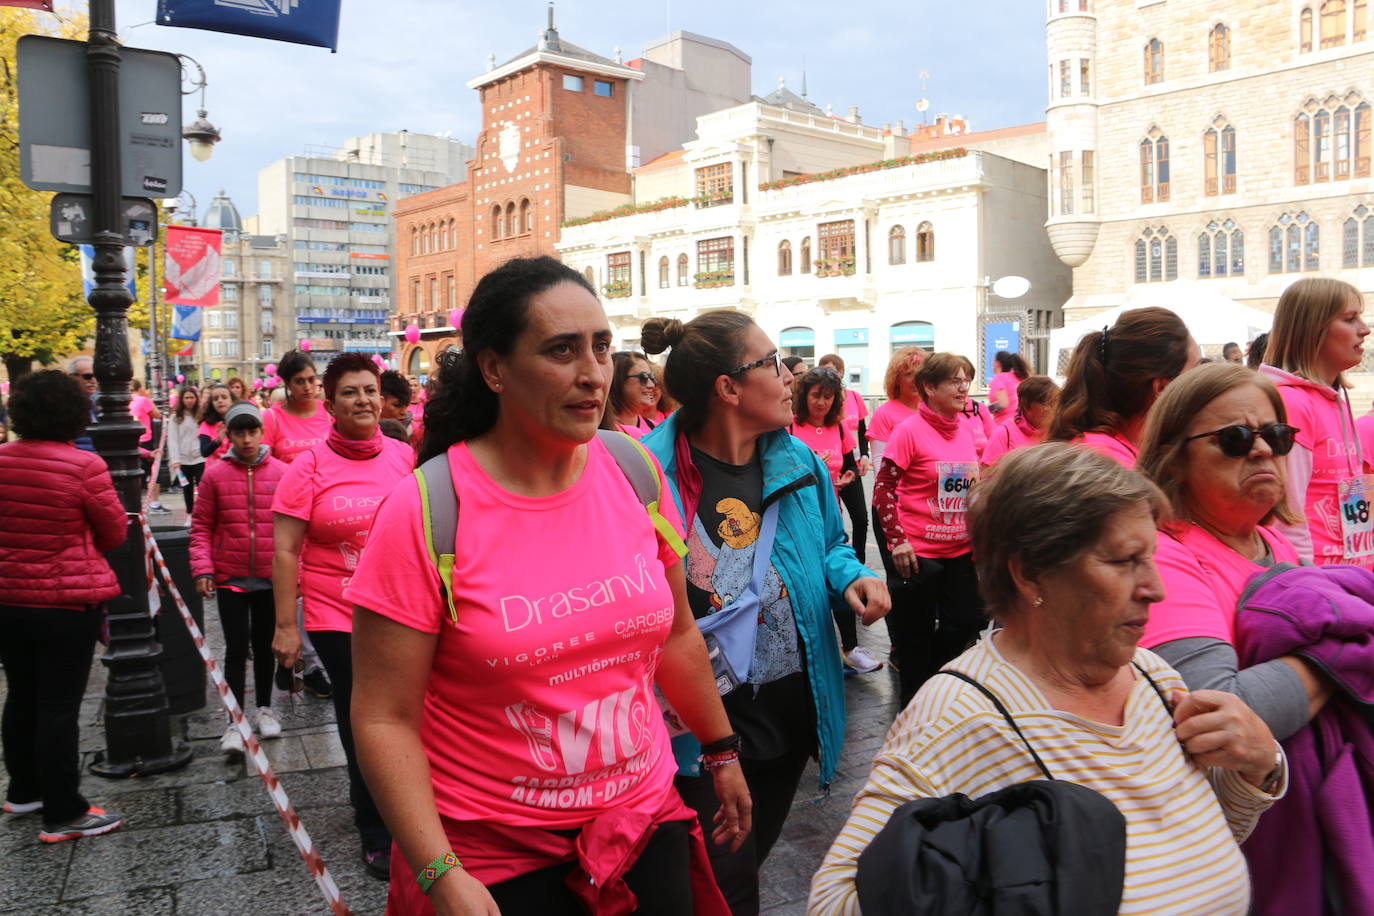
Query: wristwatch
[[1271, 782]]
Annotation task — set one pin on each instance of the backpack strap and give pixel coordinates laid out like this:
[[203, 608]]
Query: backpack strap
[[1168, 707], [439, 511], [638, 468], [1005, 715]]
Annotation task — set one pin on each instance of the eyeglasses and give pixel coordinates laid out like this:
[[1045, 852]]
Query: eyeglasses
[[645, 378], [84, 375], [1237, 441], [958, 382], [775, 358]]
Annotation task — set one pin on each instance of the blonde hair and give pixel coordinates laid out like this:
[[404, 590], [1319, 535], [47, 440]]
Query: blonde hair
[[1164, 450], [904, 362], [1306, 309]]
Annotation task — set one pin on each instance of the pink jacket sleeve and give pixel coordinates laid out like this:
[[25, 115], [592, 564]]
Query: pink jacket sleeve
[[203, 524], [103, 510]]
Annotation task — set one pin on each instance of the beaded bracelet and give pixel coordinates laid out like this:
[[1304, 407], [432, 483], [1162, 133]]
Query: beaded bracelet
[[716, 761], [431, 872]]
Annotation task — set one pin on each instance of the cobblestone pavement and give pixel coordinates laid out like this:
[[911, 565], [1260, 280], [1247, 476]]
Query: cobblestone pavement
[[206, 839]]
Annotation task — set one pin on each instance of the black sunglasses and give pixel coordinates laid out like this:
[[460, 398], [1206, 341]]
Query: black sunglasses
[[645, 378], [827, 371], [86, 375], [775, 358], [1236, 441]]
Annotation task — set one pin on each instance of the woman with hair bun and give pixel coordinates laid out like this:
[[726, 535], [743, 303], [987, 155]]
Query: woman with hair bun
[[1036, 398], [507, 722], [1009, 370], [1318, 334], [743, 484], [1115, 375]]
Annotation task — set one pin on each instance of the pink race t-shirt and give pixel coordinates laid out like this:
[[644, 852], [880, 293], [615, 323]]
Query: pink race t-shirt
[[337, 497], [1364, 431], [636, 430], [1004, 381], [290, 436], [539, 709], [141, 406], [939, 468], [1011, 435], [887, 417], [1202, 580], [855, 411], [830, 443], [1114, 445]]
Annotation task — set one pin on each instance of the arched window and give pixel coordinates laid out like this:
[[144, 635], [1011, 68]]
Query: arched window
[[925, 242], [429, 241], [1305, 30], [896, 245], [1333, 23], [1219, 48], [683, 270], [496, 222], [1331, 140], [443, 237], [1356, 253], [1294, 244], [526, 216], [414, 240], [663, 277], [1154, 61], [1154, 167], [1221, 250], [806, 255], [912, 334], [784, 258], [1156, 256], [1219, 158], [799, 341], [512, 227]]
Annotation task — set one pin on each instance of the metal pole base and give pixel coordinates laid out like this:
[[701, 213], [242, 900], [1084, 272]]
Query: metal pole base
[[178, 758]]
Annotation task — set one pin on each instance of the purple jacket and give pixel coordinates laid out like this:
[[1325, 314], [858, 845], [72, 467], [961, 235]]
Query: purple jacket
[[1326, 615]]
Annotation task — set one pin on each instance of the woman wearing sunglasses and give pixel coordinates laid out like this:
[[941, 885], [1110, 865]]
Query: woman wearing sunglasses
[[633, 401], [1318, 334], [748, 490], [1216, 442]]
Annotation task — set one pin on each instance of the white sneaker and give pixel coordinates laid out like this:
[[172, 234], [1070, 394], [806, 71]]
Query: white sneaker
[[232, 742], [859, 659], [268, 724]]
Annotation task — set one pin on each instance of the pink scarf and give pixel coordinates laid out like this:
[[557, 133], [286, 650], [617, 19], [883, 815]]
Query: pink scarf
[[356, 449], [946, 427], [1030, 432]]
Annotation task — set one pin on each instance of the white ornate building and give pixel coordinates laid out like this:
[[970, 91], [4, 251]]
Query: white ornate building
[[835, 236]]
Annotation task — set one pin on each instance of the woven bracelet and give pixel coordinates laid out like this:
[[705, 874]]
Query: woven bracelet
[[431, 872]]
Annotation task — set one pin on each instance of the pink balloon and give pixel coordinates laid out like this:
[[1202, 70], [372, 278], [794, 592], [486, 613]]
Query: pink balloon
[[257, 384], [181, 378], [412, 333], [305, 344], [270, 368], [455, 318], [171, 385]]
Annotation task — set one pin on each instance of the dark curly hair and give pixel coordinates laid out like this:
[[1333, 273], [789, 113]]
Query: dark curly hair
[[49, 405], [460, 405], [344, 363], [705, 348], [828, 380]]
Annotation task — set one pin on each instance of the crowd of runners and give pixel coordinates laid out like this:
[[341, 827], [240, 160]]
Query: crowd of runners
[[585, 618]]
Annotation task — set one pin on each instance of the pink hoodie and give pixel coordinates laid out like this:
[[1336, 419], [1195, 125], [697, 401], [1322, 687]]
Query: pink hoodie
[[1327, 452]]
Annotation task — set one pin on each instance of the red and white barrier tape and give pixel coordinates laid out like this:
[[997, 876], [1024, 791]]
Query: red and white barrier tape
[[289, 817]]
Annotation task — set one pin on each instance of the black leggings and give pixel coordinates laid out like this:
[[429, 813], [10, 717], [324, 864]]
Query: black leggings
[[935, 616], [248, 619], [660, 879], [772, 786], [192, 473], [335, 650], [854, 503], [886, 556]]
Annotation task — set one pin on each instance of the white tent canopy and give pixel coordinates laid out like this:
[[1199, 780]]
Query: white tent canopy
[[1212, 318]]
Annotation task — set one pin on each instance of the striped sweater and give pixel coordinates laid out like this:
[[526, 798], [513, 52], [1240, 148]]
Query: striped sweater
[[1183, 822]]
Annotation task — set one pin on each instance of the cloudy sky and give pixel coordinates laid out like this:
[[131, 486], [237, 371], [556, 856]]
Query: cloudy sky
[[404, 63]]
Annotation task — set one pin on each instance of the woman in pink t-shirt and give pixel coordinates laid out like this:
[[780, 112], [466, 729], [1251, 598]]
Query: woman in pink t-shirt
[[519, 735], [323, 509], [1115, 375], [300, 422], [633, 398], [1036, 399], [854, 416], [1318, 334], [1215, 443], [1009, 371], [921, 494], [215, 404]]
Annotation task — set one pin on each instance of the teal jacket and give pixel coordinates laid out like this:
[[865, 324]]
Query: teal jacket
[[810, 554]]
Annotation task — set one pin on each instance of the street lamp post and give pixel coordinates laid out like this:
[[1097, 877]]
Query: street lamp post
[[137, 726]]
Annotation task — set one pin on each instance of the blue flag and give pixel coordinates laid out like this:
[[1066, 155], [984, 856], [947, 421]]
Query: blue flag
[[186, 321], [88, 270], [304, 22]]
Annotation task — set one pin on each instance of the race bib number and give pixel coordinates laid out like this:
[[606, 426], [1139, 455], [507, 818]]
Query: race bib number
[[953, 485], [1357, 521]]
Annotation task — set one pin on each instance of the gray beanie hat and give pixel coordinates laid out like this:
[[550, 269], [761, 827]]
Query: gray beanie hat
[[245, 409]]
